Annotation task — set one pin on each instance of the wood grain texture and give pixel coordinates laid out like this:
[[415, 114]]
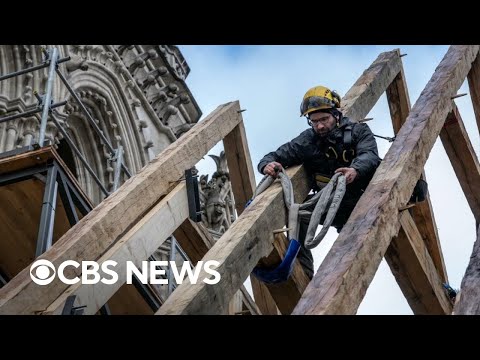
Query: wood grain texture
[[469, 302], [345, 274], [401, 258], [408, 255], [239, 249], [97, 231], [464, 160]]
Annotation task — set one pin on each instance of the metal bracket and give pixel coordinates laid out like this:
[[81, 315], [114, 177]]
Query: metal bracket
[[69, 309], [193, 195], [390, 139]]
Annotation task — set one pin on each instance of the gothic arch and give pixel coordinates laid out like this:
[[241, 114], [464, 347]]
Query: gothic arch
[[100, 91]]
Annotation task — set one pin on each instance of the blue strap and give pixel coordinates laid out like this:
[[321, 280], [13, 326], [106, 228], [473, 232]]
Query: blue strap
[[283, 271]]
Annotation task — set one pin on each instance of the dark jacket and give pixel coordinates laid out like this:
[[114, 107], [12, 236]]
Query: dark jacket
[[311, 150]]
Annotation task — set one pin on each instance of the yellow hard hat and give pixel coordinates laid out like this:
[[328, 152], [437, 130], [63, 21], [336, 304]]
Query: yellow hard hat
[[319, 98]]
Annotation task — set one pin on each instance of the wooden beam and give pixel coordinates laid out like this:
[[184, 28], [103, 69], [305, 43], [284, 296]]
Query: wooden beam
[[97, 231], [408, 255], [427, 226], [249, 238], [469, 302], [136, 246], [195, 240], [399, 104], [286, 294], [463, 158], [242, 177], [235, 304], [398, 100], [240, 168], [263, 298], [356, 104], [253, 230], [248, 303], [474, 86], [400, 256], [366, 91], [345, 274]]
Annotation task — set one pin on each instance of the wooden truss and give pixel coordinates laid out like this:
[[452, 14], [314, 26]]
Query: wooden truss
[[154, 202]]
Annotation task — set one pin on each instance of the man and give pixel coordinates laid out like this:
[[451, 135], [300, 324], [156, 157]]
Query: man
[[332, 144]]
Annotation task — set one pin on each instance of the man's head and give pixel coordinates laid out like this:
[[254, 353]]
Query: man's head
[[320, 106], [322, 122]]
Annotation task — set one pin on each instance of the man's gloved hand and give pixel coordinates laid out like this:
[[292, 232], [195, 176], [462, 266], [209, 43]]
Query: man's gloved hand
[[350, 173], [272, 168]]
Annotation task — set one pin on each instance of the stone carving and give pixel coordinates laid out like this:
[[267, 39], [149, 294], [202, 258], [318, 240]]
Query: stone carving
[[135, 94], [216, 198], [116, 83]]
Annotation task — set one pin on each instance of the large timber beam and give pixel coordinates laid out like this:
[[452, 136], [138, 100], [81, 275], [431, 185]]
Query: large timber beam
[[463, 158], [250, 237], [366, 91], [474, 86], [400, 256], [399, 104], [195, 240], [242, 178], [356, 104], [286, 294], [423, 289], [238, 250], [136, 246], [345, 274], [270, 299], [469, 302], [99, 229]]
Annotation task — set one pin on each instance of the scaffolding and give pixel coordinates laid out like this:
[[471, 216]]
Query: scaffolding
[[382, 225], [59, 180]]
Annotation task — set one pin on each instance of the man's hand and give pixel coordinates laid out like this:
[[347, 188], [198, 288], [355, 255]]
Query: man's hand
[[350, 173], [269, 169]]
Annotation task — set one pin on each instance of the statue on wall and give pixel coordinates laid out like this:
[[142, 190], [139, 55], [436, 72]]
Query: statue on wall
[[216, 198]]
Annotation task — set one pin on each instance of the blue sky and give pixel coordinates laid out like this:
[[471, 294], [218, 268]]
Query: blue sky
[[270, 81]]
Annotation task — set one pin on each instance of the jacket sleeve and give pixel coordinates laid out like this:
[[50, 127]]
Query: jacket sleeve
[[288, 154], [366, 158]]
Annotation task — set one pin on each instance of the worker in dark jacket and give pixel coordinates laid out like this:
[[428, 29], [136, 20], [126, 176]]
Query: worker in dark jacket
[[332, 144]]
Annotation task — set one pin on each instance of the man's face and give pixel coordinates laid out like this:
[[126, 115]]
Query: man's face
[[322, 123]]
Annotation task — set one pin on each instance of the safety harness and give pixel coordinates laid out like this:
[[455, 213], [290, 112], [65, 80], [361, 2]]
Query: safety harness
[[327, 200], [343, 154]]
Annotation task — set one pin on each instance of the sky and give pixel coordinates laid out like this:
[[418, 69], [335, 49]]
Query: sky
[[270, 81]]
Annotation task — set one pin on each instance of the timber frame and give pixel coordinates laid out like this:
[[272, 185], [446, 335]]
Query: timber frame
[[155, 202]]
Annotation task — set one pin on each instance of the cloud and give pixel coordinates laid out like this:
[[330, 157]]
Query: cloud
[[270, 81]]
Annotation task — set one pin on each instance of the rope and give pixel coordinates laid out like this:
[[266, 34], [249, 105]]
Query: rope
[[326, 201]]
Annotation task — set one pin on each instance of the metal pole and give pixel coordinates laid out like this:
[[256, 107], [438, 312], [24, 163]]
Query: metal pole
[[193, 196], [129, 174], [118, 167], [173, 254], [33, 68], [146, 293], [92, 121], [45, 230], [30, 112], [78, 199], [48, 95], [79, 154], [67, 201], [390, 139]]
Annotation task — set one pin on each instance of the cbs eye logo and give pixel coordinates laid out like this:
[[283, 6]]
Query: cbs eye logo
[[42, 272]]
